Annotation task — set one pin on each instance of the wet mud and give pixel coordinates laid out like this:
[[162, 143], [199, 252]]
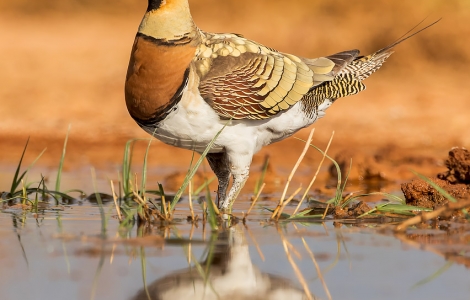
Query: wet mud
[[454, 181], [354, 210]]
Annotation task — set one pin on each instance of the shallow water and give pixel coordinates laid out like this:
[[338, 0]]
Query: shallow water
[[62, 255]]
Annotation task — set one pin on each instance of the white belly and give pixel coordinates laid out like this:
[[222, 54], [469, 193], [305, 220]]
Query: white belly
[[194, 124]]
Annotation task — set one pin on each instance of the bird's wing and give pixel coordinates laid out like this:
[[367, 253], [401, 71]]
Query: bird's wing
[[241, 79]]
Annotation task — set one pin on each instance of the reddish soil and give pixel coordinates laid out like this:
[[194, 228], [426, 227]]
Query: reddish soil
[[353, 211], [458, 165], [420, 193], [64, 62], [454, 181]]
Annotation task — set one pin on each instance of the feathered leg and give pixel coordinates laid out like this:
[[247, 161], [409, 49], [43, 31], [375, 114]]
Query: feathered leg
[[240, 169], [220, 165]]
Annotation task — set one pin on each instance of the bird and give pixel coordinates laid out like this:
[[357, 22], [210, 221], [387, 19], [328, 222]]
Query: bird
[[185, 86], [229, 272]]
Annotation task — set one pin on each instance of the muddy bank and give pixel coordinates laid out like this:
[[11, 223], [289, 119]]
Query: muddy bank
[[455, 181]]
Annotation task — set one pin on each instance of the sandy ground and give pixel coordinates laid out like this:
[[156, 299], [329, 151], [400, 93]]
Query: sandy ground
[[64, 62]]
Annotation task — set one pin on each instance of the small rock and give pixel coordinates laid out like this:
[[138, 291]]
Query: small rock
[[458, 164], [359, 208]]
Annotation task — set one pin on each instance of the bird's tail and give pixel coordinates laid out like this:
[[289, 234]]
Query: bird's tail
[[363, 66], [350, 70]]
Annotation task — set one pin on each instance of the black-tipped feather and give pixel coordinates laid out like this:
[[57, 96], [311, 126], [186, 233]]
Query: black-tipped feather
[[351, 70], [342, 59]]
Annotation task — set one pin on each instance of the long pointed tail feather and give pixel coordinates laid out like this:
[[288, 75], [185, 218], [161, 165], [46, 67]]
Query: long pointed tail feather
[[407, 36], [350, 70], [363, 66]]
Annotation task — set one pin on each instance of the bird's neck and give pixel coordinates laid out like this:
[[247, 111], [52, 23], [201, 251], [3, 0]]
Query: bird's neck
[[168, 21], [160, 59]]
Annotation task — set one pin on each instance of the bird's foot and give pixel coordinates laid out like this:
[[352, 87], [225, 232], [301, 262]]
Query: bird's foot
[[238, 183]]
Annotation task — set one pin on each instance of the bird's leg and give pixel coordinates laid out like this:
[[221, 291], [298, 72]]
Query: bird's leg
[[220, 165], [240, 169]]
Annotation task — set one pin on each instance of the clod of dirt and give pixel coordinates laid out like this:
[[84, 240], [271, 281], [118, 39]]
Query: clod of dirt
[[458, 164], [354, 211], [420, 193], [340, 213], [359, 208]]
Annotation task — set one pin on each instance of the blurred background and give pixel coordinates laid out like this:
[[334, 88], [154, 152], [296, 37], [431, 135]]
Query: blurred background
[[64, 62]]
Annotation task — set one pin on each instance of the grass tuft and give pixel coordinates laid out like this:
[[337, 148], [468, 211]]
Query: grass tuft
[[61, 162]]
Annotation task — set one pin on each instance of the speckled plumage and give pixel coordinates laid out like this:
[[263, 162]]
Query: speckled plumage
[[183, 85]]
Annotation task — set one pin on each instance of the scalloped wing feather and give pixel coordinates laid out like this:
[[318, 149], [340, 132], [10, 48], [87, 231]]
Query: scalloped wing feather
[[241, 79]]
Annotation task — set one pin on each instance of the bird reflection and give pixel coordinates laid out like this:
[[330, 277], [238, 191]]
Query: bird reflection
[[230, 273]]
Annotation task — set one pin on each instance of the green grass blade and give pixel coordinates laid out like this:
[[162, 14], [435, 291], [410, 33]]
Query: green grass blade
[[36, 198], [434, 275], [81, 192], [34, 162], [99, 268], [15, 183], [283, 215], [401, 207], [100, 205], [306, 218], [338, 195], [212, 216], [144, 167], [346, 179], [193, 170], [22, 247], [260, 180], [45, 191], [301, 214], [210, 259], [143, 263], [19, 181], [373, 210], [203, 186], [61, 163], [126, 166], [162, 194]]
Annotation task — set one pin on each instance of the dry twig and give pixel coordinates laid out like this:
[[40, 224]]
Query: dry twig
[[444, 210], [281, 208], [301, 157], [254, 200], [316, 173], [118, 209]]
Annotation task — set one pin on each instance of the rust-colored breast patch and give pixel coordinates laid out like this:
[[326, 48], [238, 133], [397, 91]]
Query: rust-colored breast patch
[[155, 74]]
